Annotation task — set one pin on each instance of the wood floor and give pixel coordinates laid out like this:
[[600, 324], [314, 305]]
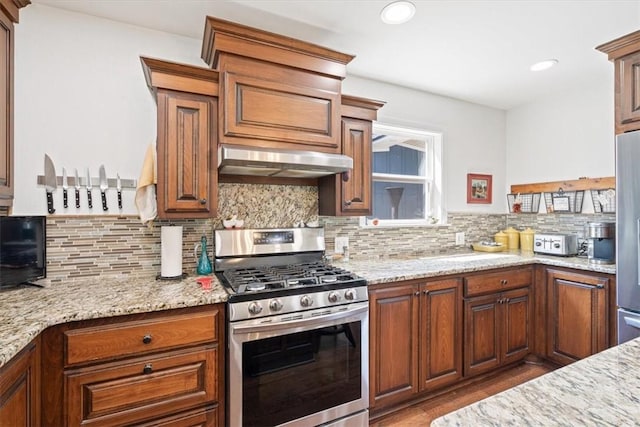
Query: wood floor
[[422, 414]]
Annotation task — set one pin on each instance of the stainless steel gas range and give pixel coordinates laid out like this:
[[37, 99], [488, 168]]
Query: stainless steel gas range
[[298, 331]]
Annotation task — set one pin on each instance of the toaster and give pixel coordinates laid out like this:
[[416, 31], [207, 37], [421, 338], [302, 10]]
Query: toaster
[[556, 244]]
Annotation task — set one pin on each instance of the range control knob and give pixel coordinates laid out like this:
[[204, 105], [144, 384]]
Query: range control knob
[[350, 294], [333, 297], [305, 301], [255, 308], [275, 305]]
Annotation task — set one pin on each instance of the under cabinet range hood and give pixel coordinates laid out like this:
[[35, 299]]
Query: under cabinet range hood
[[240, 160]]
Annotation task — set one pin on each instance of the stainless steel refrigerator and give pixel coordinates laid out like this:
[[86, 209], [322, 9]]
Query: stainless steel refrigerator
[[628, 235]]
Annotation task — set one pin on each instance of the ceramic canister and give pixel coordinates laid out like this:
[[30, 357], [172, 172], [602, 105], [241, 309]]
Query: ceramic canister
[[526, 240], [502, 238], [513, 236]]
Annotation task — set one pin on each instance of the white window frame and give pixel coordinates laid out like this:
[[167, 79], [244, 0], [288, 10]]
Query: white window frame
[[432, 179]]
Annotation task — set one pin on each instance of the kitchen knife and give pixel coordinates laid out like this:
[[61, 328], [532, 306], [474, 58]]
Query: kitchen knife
[[89, 200], [119, 189], [77, 190], [103, 187], [65, 187], [50, 182]]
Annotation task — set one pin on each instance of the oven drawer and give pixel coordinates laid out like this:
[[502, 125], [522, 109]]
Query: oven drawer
[[496, 282], [139, 337], [141, 388]]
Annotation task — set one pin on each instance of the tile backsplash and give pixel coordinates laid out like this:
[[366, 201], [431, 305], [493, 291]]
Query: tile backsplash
[[113, 246]]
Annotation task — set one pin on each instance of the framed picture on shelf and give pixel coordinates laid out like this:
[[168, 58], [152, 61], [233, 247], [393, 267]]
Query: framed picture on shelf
[[479, 188]]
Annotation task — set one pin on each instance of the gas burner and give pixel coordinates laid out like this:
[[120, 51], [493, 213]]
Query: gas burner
[[328, 279], [256, 286]]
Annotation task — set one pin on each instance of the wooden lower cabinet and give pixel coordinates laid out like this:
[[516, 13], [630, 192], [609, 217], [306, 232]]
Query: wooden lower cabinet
[[20, 389], [579, 314], [497, 330], [162, 368], [416, 339]]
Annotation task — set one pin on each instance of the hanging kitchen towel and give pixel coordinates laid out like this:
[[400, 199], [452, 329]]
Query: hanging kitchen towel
[[146, 191]]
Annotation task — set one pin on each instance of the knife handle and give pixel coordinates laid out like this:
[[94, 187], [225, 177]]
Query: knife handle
[[50, 208], [104, 201], [89, 200], [77, 199], [119, 199], [65, 200]]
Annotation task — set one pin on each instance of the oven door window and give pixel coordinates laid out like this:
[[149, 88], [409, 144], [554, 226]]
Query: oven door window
[[295, 375]]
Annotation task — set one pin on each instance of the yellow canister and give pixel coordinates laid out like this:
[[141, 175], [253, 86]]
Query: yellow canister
[[526, 240], [513, 238], [502, 238]]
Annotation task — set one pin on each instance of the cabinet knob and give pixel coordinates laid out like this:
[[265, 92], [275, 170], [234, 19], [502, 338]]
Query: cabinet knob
[[426, 292], [347, 202], [148, 368], [503, 281], [417, 293], [146, 339], [345, 176], [203, 201]]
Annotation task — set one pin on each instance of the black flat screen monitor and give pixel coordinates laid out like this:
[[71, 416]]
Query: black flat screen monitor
[[22, 249]]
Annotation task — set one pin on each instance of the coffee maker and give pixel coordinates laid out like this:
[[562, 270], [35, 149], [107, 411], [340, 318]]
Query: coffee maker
[[601, 242]]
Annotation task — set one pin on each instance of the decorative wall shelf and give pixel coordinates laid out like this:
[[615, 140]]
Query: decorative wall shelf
[[569, 185]]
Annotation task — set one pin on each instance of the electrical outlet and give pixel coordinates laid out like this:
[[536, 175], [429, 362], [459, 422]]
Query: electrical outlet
[[460, 238], [340, 244]]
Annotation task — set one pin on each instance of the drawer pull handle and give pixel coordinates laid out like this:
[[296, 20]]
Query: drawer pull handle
[[146, 339], [148, 368]]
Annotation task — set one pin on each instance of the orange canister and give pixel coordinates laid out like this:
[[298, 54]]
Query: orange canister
[[513, 238], [526, 240], [502, 238]]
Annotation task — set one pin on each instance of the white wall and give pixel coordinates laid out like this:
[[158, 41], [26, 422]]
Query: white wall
[[80, 96], [473, 136], [564, 137]]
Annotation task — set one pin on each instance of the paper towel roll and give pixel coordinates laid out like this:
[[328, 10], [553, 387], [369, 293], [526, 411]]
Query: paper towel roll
[[171, 251]]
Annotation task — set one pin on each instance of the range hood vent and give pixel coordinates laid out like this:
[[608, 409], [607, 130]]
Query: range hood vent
[[240, 160]]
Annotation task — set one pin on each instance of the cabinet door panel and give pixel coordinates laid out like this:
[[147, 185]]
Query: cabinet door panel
[[481, 334], [394, 332], [187, 153], [578, 316], [356, 191], [119, 393], [517, 309], [20, 390], [629, 95], [6, 116], [440, 333]]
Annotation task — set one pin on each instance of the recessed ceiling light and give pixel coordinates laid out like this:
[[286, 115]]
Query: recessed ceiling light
[[544, 65], [398, 12]]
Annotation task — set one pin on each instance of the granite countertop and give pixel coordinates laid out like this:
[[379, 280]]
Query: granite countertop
[[601, 390], [392, 270], [27, 311]]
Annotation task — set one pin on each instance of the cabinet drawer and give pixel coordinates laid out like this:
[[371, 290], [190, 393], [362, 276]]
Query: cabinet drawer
[[142, 388], [136, 337], [495, 282]]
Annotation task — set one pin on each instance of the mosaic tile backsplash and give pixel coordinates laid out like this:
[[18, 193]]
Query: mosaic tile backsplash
[[116, 246]]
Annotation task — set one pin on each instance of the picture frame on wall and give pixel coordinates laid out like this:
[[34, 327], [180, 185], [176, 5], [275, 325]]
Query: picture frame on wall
[[479, 188]]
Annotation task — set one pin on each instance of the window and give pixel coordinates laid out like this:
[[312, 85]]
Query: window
[[407, 177]]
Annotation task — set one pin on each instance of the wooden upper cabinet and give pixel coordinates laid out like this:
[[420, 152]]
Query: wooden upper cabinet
[[625, 54], [187, 145], [350, 193], [8, 16], [275, 91]]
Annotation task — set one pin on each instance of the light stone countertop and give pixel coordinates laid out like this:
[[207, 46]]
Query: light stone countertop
[[393, 270], [27, 311], [601, 390]]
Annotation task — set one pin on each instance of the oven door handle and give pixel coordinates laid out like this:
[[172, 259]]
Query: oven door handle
[[308, 322]]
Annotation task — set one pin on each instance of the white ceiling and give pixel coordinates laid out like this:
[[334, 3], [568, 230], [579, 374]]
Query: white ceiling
[[475, 50]]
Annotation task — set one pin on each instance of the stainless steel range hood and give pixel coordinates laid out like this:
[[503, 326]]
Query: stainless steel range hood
[[240, 160]]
